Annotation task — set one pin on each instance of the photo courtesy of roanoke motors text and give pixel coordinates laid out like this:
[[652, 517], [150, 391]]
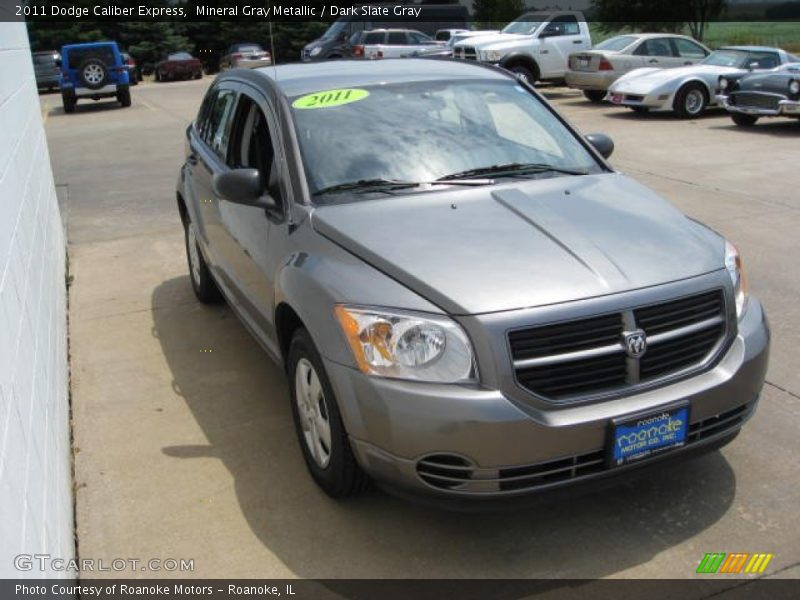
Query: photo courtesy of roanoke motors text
[[468, 298]]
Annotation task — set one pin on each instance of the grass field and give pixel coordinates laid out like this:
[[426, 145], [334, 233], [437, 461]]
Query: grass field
[[784, 35]]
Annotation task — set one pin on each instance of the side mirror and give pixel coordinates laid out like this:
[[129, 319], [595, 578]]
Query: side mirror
[[242, 186], [548, 32], [602, 143], [752, 66]]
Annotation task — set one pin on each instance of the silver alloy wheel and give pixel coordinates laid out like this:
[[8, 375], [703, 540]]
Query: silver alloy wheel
[[521, 76], [194, 255], [694, 102], [93, 74], [313, 411]]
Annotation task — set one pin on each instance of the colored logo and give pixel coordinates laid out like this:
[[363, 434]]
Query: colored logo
[[734, 563]]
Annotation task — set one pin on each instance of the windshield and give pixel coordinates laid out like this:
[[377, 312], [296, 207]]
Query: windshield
[[525, 24], [616, 43], [335, 30], [179, 56], [416, 132], [44, 59]]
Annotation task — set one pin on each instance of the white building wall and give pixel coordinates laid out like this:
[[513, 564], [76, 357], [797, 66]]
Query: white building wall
[[35, 457]]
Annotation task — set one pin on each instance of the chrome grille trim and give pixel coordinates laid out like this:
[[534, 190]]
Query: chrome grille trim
[[687, 333]]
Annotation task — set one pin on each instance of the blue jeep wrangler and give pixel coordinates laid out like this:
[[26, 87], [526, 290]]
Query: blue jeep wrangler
[[95, 70]]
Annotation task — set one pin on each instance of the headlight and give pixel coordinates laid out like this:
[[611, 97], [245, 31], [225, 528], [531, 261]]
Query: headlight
[[315, 51], [733, 262], [493, 55], [401, 345], [723, 83], [794, 86]]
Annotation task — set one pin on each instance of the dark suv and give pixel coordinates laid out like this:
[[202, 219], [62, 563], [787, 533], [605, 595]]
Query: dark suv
[[95, 70]]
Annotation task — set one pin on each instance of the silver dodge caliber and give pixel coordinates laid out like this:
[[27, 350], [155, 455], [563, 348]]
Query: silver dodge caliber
[[469, 303]]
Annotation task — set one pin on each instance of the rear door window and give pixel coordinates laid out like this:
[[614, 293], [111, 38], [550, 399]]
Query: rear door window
[[374, 37], [688, 49], [397, 38], [655, 47]]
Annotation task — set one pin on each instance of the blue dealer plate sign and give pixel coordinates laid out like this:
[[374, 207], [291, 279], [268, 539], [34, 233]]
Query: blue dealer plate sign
[[644, 436]]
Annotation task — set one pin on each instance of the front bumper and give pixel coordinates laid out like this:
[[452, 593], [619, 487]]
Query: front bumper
[[244, 63], [634, 100], [588, 80], [786, 108], [513, 452]]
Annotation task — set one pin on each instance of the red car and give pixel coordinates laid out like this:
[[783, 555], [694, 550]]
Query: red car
[[179, 65]]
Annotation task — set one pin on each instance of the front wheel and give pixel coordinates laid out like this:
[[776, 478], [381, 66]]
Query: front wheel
[[320, 431], [595, 96], [690, 101], [124, 95], [743, 120], [523, 73]]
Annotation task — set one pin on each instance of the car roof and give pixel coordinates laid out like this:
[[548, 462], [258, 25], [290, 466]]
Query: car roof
[[751, 48], [306, 78], [89, 45]]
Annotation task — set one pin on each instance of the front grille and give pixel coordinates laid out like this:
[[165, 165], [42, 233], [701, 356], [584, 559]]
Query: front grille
[[633, 98], [451, 472], [572, 360], [466, 53], [754, 100]]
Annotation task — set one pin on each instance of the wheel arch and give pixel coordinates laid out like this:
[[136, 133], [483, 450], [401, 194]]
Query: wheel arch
[[522, 59]]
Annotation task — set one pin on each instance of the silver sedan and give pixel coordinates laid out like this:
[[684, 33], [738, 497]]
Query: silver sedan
[[594, 71]]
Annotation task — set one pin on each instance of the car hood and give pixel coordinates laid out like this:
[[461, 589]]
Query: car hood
[[531, 243], [641, 80], [491, 40]]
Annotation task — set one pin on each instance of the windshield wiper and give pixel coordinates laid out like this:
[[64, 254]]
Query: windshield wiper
[[512, 169], [377, 185]]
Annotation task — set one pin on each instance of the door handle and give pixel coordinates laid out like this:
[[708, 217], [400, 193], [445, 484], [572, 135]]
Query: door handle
[[688, 62], [653, 61], [577, 41], [192, 159]]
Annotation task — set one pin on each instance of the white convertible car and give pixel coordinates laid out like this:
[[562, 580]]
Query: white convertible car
[[690, 90]]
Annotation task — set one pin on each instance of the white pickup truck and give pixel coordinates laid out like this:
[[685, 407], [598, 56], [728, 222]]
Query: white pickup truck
[[536, 46], [395, 43]]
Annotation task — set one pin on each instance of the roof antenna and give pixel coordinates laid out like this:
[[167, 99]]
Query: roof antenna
[[272, 45]]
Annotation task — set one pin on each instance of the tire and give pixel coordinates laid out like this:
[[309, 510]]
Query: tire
[[159, 76], [334, 468], [93, 73], [203, 284], [124, 96], [690, 101], [69, 103], [743, 120], [524, 73], [198, 75], [595, 96]]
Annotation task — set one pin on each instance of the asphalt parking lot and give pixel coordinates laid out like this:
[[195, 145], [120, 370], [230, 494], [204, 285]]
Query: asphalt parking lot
[[182, 426]]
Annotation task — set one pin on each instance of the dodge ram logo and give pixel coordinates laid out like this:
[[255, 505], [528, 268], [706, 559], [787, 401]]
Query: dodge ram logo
[[635, 343]]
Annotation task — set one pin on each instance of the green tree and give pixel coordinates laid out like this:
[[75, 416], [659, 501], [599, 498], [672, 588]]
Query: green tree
[[657, 15], [497, 12]]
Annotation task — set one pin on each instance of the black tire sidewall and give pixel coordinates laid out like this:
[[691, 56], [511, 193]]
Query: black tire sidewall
[[342, 476], [595, 96], [523, 70], [744, 120], [124, 95], [86, 63]]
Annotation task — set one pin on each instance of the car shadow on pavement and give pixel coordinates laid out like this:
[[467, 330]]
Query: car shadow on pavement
[[767, 126], [240, 401], [86, 107], [628, 114]]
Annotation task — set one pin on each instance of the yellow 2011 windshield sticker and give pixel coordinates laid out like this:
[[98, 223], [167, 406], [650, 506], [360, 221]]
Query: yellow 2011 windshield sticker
[[330, 98]]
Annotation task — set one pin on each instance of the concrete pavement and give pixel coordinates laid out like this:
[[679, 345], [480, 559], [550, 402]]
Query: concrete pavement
[[184, 441]]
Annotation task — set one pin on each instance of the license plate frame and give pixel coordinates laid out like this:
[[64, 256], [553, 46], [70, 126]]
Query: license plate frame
[[651, 437], [583, 62]]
